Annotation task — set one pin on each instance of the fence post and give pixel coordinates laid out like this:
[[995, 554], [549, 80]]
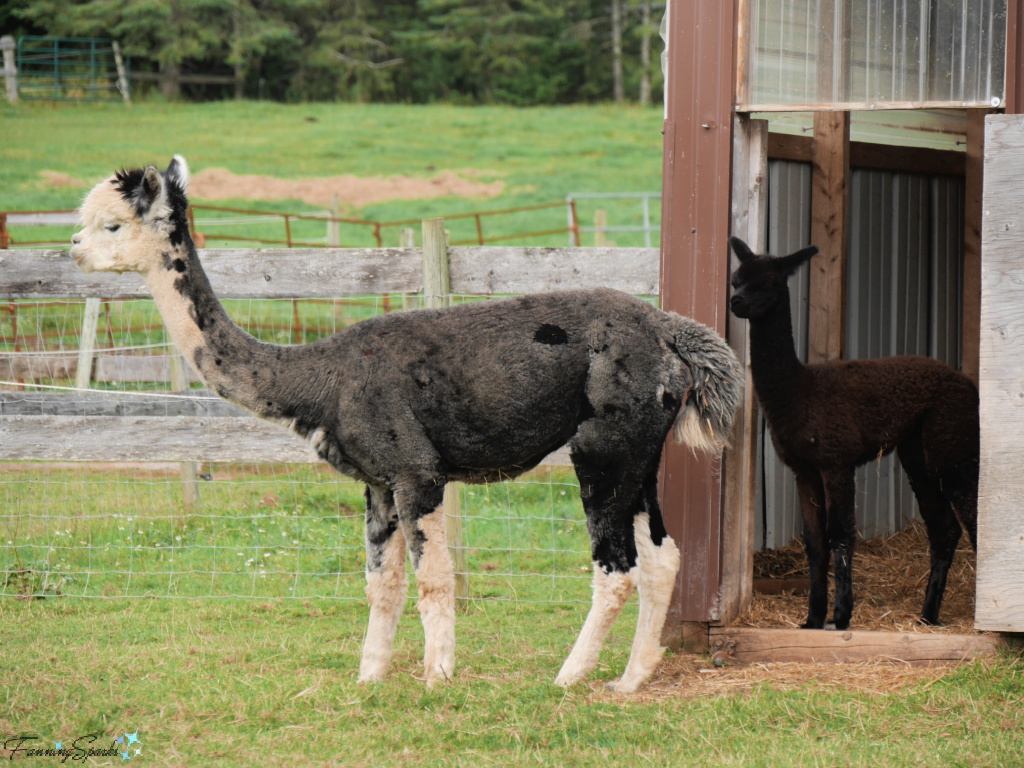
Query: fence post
[[87, 345], [435, 295], [122, 75], [189, 469], [407, 239], [7, 45], [600, 228], [333, 224], [3, 232]]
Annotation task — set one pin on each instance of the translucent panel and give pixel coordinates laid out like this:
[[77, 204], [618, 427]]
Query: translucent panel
[[886, 52]]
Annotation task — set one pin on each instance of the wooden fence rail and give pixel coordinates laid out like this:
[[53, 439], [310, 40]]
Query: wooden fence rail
[[128, 427]]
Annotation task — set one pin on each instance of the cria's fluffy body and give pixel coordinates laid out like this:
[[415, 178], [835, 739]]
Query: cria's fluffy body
[[409, 401], [826, 420]]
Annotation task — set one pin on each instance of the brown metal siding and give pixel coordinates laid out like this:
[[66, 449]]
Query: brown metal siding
[[695, 264]]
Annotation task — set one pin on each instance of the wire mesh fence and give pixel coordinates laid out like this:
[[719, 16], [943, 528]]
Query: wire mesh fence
[[125, 530]]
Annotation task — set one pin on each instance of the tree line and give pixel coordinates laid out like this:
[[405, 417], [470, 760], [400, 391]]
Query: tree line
[[520, 52]]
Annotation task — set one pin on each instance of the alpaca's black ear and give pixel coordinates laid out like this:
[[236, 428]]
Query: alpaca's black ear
[[177, 173], [742, 251], [789, 264], [147, 192]]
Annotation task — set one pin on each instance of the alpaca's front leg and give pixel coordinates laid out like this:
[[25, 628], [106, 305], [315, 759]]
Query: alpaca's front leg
[[840, 491], [387, 584], [816, 545]]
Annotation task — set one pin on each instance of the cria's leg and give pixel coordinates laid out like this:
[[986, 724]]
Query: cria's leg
[[386, 583], [816, 544], [939, 520], [422, 516], [658, 564], [840, 490]]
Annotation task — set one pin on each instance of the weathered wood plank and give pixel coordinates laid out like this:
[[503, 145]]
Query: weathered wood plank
[[241, 273], [971, 309], [297, 272], [999, 604], [199, 403], [106, 367], [491, 270], [750, 222], [746, 645]]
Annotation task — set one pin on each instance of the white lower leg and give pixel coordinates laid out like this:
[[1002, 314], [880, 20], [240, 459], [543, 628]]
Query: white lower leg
[[611, 590], [658, 566], [436, 582], [386, 590]]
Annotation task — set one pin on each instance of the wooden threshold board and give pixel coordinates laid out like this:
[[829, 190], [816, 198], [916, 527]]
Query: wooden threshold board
[[746, 645]]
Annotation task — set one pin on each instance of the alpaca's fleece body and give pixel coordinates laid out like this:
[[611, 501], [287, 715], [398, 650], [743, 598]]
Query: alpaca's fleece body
[[480, 392], [826, 420]]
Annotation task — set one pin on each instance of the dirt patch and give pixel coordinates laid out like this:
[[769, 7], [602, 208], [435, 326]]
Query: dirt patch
[[353, 191], [57, 179]]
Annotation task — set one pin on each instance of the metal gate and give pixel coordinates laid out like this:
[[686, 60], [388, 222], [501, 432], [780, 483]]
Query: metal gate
[[71, 69]]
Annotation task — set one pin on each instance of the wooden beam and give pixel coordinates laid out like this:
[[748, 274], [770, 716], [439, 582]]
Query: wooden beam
[[269, 274], [829, 231], [747, 645], [999, 603], [865, 154], [972, 241], [750, 222]]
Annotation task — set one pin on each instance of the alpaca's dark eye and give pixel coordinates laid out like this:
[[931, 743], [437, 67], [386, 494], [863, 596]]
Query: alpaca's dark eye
[[113, 227]]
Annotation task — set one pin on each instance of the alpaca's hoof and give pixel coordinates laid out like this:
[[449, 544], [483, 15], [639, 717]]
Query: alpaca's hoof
[[928, 621], [622, 686], [830, 627]]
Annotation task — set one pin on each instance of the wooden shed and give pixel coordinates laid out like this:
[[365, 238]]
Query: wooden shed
[[859, 126]]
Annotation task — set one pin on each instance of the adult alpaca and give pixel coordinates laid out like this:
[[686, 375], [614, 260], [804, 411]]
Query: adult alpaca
[[408, 401], [828, 419]]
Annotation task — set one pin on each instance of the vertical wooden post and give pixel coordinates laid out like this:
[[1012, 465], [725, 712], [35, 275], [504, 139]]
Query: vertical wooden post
[[407, 239], [122, 74], [7, 45], [973, 182], [600, 228], [87, 345], [830, 232], [436, 294], [749, 222], [189, 469], [333, 225]]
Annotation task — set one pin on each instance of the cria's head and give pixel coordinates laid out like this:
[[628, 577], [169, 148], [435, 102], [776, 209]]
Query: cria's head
[[760, 281], [134, 221]]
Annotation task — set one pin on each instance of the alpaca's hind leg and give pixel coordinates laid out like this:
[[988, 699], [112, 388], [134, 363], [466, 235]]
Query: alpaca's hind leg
[[422, 518], [658, 564], [816, 544], [840, 490], [386, 582], [610, 523], [939, 520]]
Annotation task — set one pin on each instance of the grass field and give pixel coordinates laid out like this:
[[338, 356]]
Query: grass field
[[231, 636], [541, 155]]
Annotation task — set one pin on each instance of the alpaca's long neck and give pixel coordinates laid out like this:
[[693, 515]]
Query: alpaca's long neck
[[773, 360], [230, 362]]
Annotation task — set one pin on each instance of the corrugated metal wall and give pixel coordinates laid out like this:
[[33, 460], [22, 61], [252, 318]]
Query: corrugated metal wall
[[903, 294]]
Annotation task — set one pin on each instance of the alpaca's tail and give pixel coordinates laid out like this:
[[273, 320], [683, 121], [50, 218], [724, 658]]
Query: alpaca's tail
[[705, 420]]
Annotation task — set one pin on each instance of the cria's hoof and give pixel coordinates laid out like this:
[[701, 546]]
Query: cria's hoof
[[830, 627]]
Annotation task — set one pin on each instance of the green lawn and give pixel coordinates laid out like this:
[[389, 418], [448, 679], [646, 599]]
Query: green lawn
[[230, 635], [541, 155]]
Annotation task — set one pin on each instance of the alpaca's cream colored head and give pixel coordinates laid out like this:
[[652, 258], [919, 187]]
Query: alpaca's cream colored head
[[134, 221]]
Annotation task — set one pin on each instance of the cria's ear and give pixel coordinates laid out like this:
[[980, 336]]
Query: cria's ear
[[789, 264], [177, 173], [743, 252], [148, 192]]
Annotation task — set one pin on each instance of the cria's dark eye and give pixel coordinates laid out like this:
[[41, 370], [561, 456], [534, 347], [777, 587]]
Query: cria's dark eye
[[113, 227]]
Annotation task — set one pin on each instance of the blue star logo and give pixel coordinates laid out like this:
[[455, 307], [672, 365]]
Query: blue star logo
[[120, 739], [124, 756], [57, 745], [133, 738]]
